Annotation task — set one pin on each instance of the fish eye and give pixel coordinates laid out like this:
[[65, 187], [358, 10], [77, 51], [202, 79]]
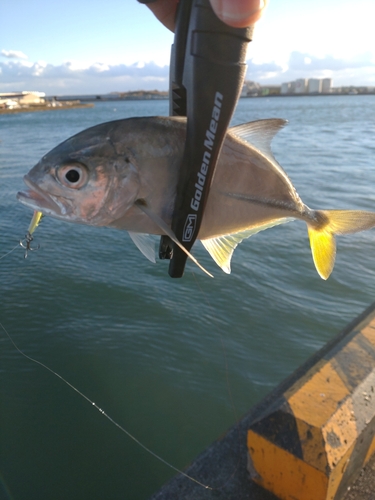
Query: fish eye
[[72, 176]]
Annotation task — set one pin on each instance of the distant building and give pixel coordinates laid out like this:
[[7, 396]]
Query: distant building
[[296, 87], [270, 90], [315, 86], [301, 86], [32, 98], [8, 103], [285, 88], [327, 85], [250, 88], [23, 98]]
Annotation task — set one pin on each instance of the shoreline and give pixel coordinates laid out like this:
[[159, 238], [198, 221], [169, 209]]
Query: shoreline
[[310, 95], [31, 109], [90, 103], [121, 99]]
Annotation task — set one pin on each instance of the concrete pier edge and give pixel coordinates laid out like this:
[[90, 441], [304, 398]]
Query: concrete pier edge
[[335, 387]]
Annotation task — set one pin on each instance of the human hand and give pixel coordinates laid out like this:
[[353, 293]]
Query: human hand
[[236, 13]]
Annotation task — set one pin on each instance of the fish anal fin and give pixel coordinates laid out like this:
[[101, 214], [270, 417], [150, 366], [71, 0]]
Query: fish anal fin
[[221, 248]]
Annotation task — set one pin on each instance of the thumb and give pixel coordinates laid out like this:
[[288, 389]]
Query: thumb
[[238, 13]]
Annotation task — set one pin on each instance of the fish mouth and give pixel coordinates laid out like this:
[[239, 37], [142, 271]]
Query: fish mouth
[[37, 199]]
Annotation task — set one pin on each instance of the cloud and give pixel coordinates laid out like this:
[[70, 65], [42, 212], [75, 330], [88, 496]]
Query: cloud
[[261, 71], [100, 78], [359, 70], [70, 78], [13, 54], [300, 61]]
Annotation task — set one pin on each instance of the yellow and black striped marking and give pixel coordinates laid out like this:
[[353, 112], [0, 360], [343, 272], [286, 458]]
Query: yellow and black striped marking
[[311, 442]]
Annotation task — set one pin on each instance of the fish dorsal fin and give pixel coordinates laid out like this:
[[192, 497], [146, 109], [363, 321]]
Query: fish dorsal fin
[[145, 243], [221, 249], [260, 134]]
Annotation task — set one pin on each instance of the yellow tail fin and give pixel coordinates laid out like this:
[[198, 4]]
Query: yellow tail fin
[[322, 238]]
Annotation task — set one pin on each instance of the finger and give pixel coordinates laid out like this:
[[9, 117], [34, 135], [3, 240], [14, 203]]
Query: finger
[[164, 10], [238, 13]]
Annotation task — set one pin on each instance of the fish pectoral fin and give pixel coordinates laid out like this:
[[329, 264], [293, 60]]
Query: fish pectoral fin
[[145, 244], [142, 205], [221, 248]]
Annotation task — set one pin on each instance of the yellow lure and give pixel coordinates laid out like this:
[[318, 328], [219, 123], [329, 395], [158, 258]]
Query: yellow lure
[[26, 243], [34, 221]]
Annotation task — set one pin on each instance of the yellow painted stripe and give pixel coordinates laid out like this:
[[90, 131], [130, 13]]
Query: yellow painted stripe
[[287, 476], [335, 484], [370, 451], [339, 433], [315, 396], [316, 437]]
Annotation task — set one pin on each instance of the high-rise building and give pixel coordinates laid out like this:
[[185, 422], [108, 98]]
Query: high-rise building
[[285, 88], [326, 85], [315, 86], [300, 86]]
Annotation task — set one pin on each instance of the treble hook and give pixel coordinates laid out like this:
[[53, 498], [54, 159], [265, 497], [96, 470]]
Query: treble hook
[[26, 244]]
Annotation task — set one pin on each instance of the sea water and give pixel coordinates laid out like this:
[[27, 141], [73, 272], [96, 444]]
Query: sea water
[[175, 362]]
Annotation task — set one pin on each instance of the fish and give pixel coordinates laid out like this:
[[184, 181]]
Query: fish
[[123, 174]]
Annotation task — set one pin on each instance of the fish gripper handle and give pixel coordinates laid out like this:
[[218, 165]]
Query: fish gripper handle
[[207, 74]]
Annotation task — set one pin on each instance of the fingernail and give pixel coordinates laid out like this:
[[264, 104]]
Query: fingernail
[[236, 12]]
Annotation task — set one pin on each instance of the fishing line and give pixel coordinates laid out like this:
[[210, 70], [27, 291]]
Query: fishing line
[[102, 412], [10, 251], [26, 242], [229, 389]]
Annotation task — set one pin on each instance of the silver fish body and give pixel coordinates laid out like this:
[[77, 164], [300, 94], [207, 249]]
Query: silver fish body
[[123, 174]]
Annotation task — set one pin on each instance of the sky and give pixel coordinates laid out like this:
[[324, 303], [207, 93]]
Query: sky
[[91, 47]]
